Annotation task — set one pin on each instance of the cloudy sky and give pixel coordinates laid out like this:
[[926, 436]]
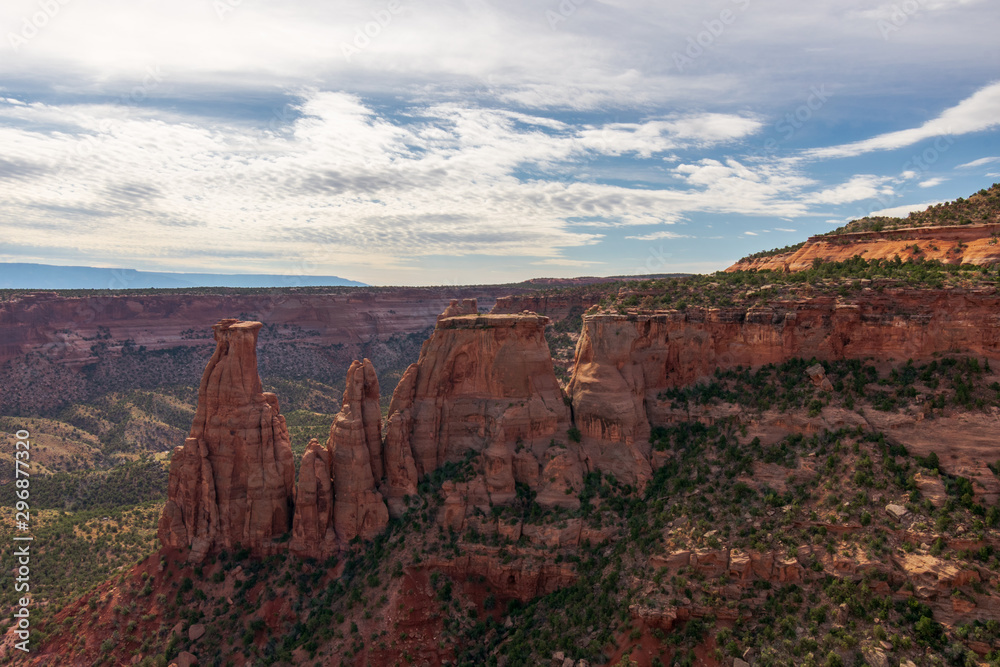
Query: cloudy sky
[[475, 141]]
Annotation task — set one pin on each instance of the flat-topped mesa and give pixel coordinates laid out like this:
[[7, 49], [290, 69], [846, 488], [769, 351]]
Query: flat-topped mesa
[[232, 481], [483, 383], [623, 362]]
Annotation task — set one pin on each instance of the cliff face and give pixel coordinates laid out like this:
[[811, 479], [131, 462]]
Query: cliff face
[[967, 244], [481, 379], [483, 383], [624, 361], [232, 481], [56, 350]]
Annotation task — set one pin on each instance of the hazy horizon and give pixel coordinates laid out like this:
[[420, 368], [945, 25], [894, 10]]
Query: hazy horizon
[[406, 142]]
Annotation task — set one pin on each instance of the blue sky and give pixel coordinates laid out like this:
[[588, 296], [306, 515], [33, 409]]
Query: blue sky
[[419, 142]]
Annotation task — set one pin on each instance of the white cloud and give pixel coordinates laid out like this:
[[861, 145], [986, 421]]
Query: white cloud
[[931, 182], [782, 229], [978, 112], [978, 163], [902, 211], [342, 184], [656, 236], [750, 233], [860, 187], [657, 136], [464, 129]]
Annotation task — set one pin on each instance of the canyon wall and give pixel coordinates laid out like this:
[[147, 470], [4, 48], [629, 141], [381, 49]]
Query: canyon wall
[[56, 350], [624, 361], [554, 306], [485, 384], [965, 244]]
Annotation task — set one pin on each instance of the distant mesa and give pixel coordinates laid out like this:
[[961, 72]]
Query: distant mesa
[[965, 231], [46, 276]]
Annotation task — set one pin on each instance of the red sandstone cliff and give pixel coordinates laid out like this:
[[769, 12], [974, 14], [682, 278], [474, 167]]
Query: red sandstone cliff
[[624, 361], [232, 481], [312, 527], [968, 244], [484, 383]]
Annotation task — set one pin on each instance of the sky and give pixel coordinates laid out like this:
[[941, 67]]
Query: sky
[[473, 141]]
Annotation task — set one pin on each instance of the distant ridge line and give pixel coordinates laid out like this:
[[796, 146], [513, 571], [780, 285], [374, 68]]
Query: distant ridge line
[[15, 275]]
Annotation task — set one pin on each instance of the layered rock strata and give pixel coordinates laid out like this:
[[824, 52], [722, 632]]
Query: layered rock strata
[[966, 244], [483, 383], [231, 483], [624, 361]]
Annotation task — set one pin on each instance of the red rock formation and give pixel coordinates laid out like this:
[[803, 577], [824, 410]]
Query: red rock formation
[[967, 244], [312, 530], [355, 447], [400, 471], [463, 307], [36, 321], [624, 361], [232, 481], [483, 383]]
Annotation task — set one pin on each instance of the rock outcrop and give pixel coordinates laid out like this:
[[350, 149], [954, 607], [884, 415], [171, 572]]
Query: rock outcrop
[[483, 383], [312, 530], [355, 448], [624, 361], [232, 481], [967, 244]]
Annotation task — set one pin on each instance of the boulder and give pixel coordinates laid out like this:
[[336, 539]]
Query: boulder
[[897, 512], [184, 659]]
